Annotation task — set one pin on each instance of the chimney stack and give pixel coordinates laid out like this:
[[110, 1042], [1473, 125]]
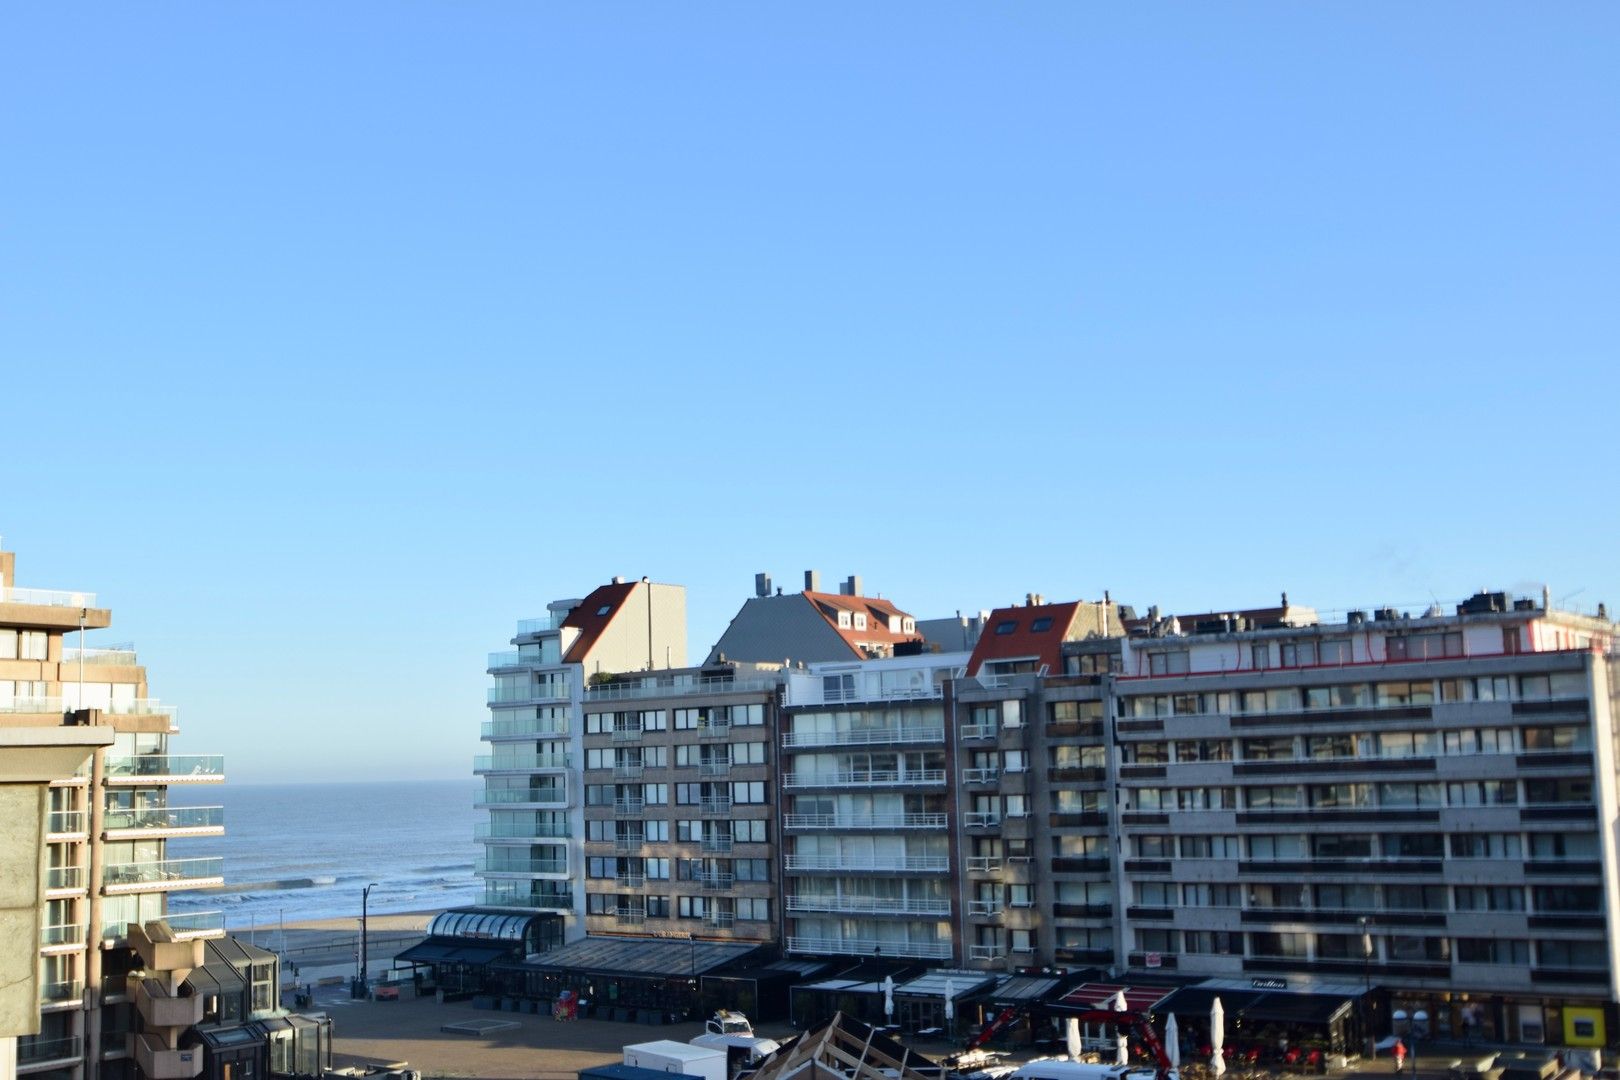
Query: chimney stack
[[762, 584], [851, 586], [812, 580]]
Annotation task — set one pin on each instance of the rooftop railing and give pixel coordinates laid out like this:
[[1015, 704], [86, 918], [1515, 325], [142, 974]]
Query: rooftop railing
[[620, 691], [112, 654], [552, 621], [47, 597]]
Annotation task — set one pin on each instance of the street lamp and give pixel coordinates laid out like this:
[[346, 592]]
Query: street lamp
[[365, 897]]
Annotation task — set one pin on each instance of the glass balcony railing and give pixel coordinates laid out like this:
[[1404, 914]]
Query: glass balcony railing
[[56, 993], [524, 727], [520, 762], [33, 705], [187, 766], [538, 796], [163, 872], [120, 655], [196, 924], [553, 621], [508, 695], [143, 707], [166, 817], [496, 894], [65, 934], [636, 688], [32, 1050], [521, 866], [47, 597], [65, 877], [548, 830], [66, 821]]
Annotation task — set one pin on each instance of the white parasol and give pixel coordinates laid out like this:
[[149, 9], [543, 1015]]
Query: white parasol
[[1074, 1037], [1122, 1048], [888, 996], [1172, 1042], [1217, 1037], [950, 1000]]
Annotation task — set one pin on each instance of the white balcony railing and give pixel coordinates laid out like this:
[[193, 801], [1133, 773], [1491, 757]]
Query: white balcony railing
[[908, 950], [47, 597], [864, 821], [870, 905], [983, 864], [981, 819], [984, 907], [978, 731], [902, 733], [865, 778], [987, 775], [841, 862], [986, 952]]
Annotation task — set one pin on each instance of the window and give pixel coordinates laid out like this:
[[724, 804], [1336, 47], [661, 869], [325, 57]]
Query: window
[[1413, 845], [753, 909], [1171, 662], [1298, 654], [1341, 795], [1572, 954], [1485, 846], [1568, 898], [1284, 797], [1341, 846], [1489, 897], [860, 620], [1155, 847], [1581, 845], [8, 644], [1159, 941], [1276, 748], [1493, 951], [1069, 712], [1564, 737], [1209, 847], [1277, 897], [1204, 750], [1006, 626], [1041, 625], [1017, 806], [1021, 941], [1156, 893], [1358, 898], [1270, 944], [1415, 897], [1411, 949], [1146, 753], [1212, 942], [1284, 846], [1482, 793], [1260, 656], [1335, 651], [1564, 790], [656, 907], [33, 644], [1407, 795], [1020, 895]]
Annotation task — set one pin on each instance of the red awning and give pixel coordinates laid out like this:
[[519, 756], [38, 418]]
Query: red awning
[[1101, 996]]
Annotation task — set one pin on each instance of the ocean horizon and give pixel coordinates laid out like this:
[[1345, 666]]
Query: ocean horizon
[[306, 850]]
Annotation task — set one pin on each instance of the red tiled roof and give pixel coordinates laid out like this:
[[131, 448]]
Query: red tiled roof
[[877, 612], [589, 623], [1021, 641]]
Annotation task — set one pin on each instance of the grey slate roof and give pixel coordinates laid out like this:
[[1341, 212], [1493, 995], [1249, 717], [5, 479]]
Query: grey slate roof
[[770, 629], [640, 956]]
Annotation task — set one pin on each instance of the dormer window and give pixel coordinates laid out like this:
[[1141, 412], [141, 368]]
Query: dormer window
[[860, 621], [910, 626], [843, 620], [1006, 626], [1040, 624]]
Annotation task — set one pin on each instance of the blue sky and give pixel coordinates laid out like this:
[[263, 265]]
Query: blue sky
[[337, 337]]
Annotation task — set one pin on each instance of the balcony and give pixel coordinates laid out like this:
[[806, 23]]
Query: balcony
[[978, 731], [524, 728], [715, 806], [715, 881], [629, 772], [544, 692], [553, 621], [630, 916], [907, 950], [36, 1053], [556, 797], [714, 729], [904, 863], [487, 865], [63, 824], [717, 842], [520, 763], [900, 733], [116, 655], [866, 778], [34, 706], [985, 908], [64, 879], [65, 937], [988, 775], [983, 864], [161, 1009], [158, 1062], [144, 707], [631, 881], [864, 821], [47, 597], [719, 920], [533, 830], [869, 905], [196, 925], [163, 821], [631, 689], [986, 952], [629, 807], [163, 875], [628, 842], [627, 734], [69, 992], [714, 768], [514, 894], [512, 659], [166, 769], [981, 819]]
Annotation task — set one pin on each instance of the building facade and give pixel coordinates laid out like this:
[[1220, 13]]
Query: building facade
[[109, 866]]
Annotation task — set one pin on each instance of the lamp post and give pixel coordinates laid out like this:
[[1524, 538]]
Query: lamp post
[[1366, 978], [365, 897]]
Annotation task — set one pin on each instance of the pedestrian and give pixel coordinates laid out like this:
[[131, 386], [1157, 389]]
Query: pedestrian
[[1399, 1052]]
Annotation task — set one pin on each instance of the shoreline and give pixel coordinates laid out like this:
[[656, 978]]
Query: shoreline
[[392, 922]]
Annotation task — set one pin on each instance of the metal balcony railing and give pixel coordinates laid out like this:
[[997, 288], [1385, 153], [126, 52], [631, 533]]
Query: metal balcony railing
[[981, 776], [629, 772], [981, 819], [978, 731], [47, 597], [719, 919], [983, 864], [627, 734], [32, 1050], [865, 778], [717, 842], [619, 691], [908, 950], [532, 830], [984, 907], [65, 877], [484, 763], [838, 862], [63, 934], [524, 728], [197, 924], [59, 993], [629, 807], [986, 952], [715, 880], [714, 768], [719, 804], [631, 881], [625, 842]]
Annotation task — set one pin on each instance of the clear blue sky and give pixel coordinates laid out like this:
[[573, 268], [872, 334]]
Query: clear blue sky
[[335, 337]]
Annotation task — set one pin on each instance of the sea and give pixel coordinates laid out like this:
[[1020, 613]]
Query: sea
[[305, 851]]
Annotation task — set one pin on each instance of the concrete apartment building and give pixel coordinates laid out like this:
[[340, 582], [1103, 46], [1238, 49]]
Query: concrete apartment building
[[108, 868], [1421, 804], [533, 858]]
